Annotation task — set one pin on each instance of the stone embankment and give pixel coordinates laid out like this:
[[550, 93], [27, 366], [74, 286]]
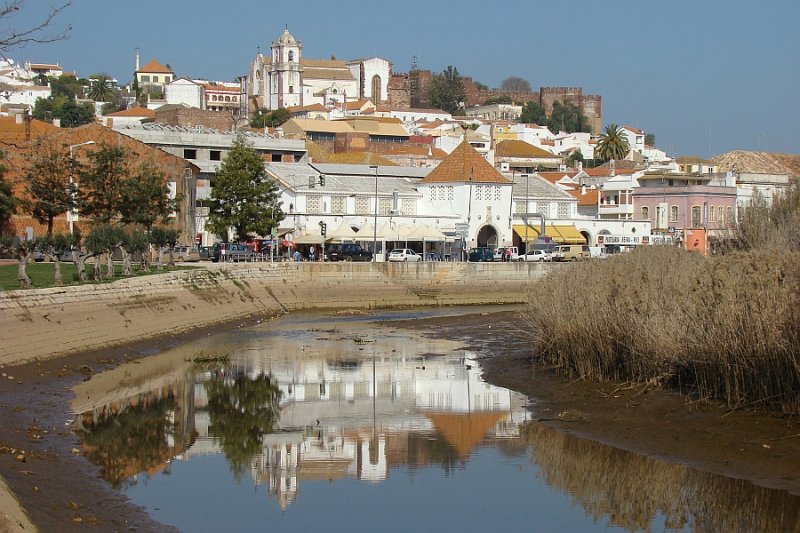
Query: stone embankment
[[47, 323]]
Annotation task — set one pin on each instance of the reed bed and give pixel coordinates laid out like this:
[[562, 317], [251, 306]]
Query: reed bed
[[724, 327]]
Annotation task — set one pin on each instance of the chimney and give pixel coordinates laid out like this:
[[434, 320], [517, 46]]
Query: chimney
[[612, 168], [137, 60], [580, 166], [19, 118]]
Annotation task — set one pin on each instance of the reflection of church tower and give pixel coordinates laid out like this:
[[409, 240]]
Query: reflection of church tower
[[285, 76]]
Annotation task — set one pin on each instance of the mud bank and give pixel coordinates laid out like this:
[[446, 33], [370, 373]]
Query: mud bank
[[48, 323]]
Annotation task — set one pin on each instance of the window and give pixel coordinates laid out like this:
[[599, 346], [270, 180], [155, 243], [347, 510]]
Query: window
[[479, 192], [338, 204], [145, 79], [497, 193], [729, 215], [697, 216], [314, 204], [291, 89], [189, 153], [384, 205], [167, 79], [645, 213], [215, 155], [213, 97], [563, 210], [362, 205], [376, 89], [155, 79], [227, 98], [721, 213], [291, 55], [409, 206], [712, 216], [673, 213], [519, 207], [276, 157], [450, 192]]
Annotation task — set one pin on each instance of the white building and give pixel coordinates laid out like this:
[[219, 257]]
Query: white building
[[184, 91], [283, 78]]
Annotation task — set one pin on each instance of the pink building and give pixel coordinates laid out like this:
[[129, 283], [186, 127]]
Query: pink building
[[698, 209]]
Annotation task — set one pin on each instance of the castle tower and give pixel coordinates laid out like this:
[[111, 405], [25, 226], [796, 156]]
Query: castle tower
[[285, 75]]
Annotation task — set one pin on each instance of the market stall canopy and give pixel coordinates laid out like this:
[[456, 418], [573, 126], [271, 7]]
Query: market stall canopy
[[426, 233], [308, 238], [344, 232]]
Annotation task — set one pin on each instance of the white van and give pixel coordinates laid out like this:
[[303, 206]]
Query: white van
[[514, 253]]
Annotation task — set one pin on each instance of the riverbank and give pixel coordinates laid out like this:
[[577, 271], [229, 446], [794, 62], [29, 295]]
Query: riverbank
[[47, 323]]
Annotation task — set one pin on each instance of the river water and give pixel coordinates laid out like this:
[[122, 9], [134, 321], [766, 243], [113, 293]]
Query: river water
[[312, 421]]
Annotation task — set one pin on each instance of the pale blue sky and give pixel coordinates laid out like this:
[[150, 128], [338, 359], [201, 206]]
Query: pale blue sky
[[705, 76]]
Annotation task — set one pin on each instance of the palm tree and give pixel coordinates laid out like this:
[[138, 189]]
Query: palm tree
[[102, 89], [612, 145]]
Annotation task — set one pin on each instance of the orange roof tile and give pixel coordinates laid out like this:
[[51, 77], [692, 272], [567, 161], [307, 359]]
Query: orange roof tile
[[553, 177], [590, 197], [465, 164], [155, 67], [360, 158], [12, 133]]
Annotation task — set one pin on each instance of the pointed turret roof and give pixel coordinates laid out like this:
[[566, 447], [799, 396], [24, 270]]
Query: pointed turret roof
[[463, 165]]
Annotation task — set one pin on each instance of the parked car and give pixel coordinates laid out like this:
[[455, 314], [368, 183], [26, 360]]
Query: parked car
[[481, 254], [230, 252], [404, 255], [538, 256], [347, 252], [183, 254], [571, 252]]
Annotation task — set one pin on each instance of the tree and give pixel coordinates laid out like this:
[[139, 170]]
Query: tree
[[480, 86], [57, 246], [22, 250], [101, 184], [612, 145], [65, 85], [12, 35], [515, 85], [533, 113], [8, 204], [49, 188], [270, 119], [575, 157], [63, 108], [243, 196], [567, 118], [164, 237], [144, 198], [447, 90], [102, 240], [650, 139], [498, 100], [101, 88]]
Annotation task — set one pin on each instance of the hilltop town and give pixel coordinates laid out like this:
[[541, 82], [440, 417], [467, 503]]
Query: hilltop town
[[359, 155]]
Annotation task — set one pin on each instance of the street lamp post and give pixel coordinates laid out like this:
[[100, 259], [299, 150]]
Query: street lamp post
[[71, 213], [375, 218]]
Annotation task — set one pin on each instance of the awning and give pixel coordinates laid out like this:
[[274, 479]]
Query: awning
[[308, 239], [532, 233], [564, 234]]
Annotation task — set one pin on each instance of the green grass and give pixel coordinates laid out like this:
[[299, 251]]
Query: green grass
[[42, 274]]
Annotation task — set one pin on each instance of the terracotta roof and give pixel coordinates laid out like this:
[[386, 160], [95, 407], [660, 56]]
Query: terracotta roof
[[553, 177], [634, 130], [433, 153], [514, 148], [155, 67], [432, 110], [212, 87], [621, 166], [133, 112], [692, 160], [12, 133], [40, 66], [465, 164], [759, 163], [358, 104], [590, 197], [305, 108]]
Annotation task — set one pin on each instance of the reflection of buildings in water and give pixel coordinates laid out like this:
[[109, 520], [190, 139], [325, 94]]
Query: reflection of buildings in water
[[355, 419]]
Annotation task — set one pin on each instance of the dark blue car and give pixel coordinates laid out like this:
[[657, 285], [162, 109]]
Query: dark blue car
[[479, 255]]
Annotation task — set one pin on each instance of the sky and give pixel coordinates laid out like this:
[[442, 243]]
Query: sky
[[704, 76]]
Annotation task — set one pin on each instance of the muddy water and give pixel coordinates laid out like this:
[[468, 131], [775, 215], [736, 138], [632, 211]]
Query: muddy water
[[312, 422]]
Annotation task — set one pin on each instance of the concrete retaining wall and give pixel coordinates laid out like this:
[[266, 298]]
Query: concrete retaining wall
[[47, 323]]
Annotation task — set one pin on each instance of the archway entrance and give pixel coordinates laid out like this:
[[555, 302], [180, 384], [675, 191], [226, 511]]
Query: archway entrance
[[487, 236]]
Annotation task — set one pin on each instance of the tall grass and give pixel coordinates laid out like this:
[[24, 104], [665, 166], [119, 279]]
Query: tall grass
[[725, 327]]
